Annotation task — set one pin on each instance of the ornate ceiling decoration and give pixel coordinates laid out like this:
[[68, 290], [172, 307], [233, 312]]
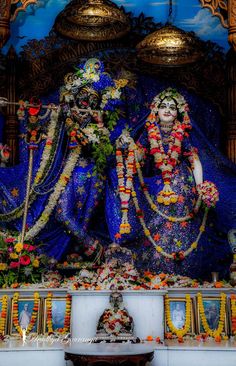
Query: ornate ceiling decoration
[[92, 20], [218, 8], [21, 5], [226, 11], [9, 10], [169, 46]]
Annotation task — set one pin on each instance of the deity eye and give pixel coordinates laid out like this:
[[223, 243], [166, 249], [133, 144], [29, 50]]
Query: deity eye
[[173, 107], [162, 106]]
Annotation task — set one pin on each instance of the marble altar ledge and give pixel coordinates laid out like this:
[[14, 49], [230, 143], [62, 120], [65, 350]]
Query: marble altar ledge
[[110, 349]]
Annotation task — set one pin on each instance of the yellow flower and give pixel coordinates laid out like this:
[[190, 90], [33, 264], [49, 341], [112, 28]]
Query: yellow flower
[[14, 256], [194, 245], [3, 266], [36, 263], [18, 247]]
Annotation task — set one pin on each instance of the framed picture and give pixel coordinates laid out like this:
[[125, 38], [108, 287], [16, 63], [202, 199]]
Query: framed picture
[[212, 312], [25, 309], [178, 314], [58, 314]]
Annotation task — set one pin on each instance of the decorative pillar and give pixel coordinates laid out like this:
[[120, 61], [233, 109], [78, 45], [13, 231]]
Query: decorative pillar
[[11, 122], [231, 129], [232, 23], [5, 15]]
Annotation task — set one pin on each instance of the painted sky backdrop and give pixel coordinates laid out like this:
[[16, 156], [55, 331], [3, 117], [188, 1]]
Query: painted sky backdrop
[[37, 21]]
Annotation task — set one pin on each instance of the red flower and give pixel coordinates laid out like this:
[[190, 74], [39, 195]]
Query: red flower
[[25, 260], [14, 265], [9, 240], [29, 247]]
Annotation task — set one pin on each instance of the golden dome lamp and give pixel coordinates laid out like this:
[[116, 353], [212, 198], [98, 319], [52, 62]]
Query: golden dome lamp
[[169, 45], [92, 20]]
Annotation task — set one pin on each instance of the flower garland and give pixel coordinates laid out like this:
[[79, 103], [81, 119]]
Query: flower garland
[[154, 206], [3, 315], [176, 255], [233, 313], [216, 332], [66, 328], [165, 162], [45, 163], [34, 316], [125, 187], [55, 195], [179, 332]]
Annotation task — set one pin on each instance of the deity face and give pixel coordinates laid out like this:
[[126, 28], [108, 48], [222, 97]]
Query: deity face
[[87, 98], [167, 110]]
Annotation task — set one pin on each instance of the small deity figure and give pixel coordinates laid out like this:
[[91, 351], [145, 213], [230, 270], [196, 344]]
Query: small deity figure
[[115, 323]]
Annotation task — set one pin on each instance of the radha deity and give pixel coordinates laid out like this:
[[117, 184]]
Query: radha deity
[[160, 185]]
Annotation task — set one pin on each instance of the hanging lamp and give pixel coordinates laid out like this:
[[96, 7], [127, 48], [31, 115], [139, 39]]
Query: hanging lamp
[[92, 20], [169, 45]]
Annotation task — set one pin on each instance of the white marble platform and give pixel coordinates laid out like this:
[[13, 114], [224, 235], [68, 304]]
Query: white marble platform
[[171, 353]]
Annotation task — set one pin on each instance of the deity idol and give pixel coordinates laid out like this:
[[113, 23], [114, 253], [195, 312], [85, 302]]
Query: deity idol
[[160, 185], [64, 153]]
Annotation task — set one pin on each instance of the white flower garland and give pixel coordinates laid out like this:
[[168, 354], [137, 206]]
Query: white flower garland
[[55, 195], [125, 187], [17, 212], [48, 146]]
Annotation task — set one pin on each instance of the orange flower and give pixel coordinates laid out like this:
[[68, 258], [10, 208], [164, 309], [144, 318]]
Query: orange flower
[[149, 338], [218, 284], [180, 339], [162, 275], [168, 335], [217, 338]]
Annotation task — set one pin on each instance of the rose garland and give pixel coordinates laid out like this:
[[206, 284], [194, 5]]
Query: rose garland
[[45, 163], [125, 187], [165, 162], [34, 316], [154, 206], [66, 328], [216, 332], [55, 195], [179, 332], [233, 313], [3, 315], [176, 255]]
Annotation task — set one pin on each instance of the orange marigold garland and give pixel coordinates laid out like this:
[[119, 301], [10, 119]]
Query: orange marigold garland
[[233, 313], [34, 316], [215, 333], [3, 315], [186, 328], [66, 328]]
